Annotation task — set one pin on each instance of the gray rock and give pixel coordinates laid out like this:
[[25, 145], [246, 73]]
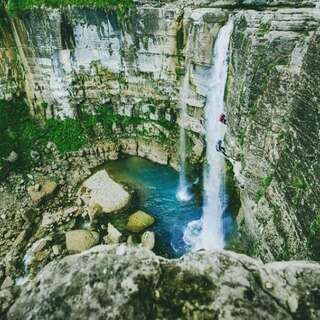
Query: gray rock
[[148, 240], [221, 285], [81, 240], [113, 235], [105, 192], [13, 157]]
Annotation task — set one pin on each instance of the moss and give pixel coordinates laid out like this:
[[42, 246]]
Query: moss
[[17, 6], [263, 29], [241, 136], [264, 185]]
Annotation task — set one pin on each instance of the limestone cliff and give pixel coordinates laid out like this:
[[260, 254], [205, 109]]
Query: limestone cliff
[[273, 108], [75, 59]]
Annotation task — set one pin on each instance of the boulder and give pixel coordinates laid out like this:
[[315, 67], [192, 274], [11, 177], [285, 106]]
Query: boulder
[[105, 192], [148, 240], [13, 157], [41, 191], [81, 240], [139, 221], [113, 235], [129, 282]]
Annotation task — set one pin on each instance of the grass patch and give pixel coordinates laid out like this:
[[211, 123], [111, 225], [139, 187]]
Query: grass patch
[[264, 185], [17, 6]]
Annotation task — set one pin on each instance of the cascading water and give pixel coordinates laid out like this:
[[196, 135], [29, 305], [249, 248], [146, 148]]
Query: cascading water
[[183, 193], [207, 233]]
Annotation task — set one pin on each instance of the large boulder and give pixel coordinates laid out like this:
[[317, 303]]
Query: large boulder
[[81, 240], [122, 282], [101, 190], [139, 221]]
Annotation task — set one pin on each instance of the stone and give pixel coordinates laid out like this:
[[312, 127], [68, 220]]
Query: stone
[[130, 282], [139, 221], [94, 210], [113, 235], [20, 238], [148, 240], [56, 249], [37, 193], [105, 192], [13, 157], [8, 282], [39, 245], [81, 240]]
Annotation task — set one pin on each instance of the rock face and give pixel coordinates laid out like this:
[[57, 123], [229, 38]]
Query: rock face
[[139, 221], [273, 119], [81, 240], [220, 285], [101, 190]]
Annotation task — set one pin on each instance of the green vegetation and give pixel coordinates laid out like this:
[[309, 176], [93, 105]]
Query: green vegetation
[[241, 136], [22, 133], [263, 29], [17, 6], [314, 237], [264, 185]]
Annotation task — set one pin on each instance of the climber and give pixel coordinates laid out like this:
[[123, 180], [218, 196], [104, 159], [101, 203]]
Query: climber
[[220, 148], [223, 118]]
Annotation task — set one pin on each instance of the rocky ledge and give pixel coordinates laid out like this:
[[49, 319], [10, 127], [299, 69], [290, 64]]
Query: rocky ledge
[[123, 282]]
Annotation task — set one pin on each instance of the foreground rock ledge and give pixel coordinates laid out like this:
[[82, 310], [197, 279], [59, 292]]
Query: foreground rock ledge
[[120, 282]]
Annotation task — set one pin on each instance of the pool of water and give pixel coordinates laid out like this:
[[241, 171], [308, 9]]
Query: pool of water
[[156, 188], [155, 193]]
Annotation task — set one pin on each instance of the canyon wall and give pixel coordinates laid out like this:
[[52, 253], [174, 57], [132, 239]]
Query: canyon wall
[[76, 60]]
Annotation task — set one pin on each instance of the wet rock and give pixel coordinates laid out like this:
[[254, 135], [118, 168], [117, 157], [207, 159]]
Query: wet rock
[[39, 192], [81, 240], [105, 192], [139, 221], [148, 240], [113, 235]]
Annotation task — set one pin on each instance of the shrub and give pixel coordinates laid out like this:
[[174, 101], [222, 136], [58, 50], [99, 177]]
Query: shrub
[[17, 6]]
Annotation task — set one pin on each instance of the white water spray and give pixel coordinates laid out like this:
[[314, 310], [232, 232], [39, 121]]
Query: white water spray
[[183, 193], [208, 232]]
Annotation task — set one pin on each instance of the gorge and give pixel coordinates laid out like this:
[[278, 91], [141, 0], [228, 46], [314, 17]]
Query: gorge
[[91, 87]]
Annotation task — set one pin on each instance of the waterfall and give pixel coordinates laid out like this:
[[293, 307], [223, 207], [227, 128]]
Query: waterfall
[[208, 232], [183, 193]]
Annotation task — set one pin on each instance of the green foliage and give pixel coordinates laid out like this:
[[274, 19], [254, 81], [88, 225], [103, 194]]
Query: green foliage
[[18, 131], [68, 135], [241, 137], [314, 237], [264, 185], [299, 183], [263, 29], [17, 6]]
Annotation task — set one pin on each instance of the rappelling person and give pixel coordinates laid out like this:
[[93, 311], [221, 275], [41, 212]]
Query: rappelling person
[[223, 118], [220, 148]]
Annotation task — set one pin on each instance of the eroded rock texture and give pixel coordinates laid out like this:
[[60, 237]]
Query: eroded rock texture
[[119, 282], [273, 106]]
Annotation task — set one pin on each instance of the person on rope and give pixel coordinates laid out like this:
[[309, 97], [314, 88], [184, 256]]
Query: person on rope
[[220, 148], [223, 118]]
